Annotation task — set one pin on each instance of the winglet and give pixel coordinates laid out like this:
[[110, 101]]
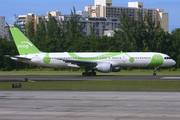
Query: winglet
[[23, 44]]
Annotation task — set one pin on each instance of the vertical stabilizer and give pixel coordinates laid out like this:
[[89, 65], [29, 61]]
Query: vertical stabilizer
[[23, 44]]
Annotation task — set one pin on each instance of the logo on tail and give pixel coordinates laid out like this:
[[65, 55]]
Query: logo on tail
[[25, 46]]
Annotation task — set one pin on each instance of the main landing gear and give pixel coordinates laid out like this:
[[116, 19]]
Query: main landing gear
[[89, 73], [155, 70]]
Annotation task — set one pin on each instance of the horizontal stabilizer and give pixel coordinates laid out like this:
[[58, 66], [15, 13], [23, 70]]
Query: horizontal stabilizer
[[18, 57]]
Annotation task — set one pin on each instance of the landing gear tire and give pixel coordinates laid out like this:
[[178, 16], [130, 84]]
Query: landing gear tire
[[154, 74], [89, 74], [83, 74], [94, 73]]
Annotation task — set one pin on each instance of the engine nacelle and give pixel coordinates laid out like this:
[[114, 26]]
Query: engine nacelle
[[116, 69], [104, 67]]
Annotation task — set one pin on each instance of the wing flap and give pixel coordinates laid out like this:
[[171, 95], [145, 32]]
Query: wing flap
[[80, 62]]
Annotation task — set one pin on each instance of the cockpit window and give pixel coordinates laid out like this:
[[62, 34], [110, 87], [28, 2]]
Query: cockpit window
[[167, 58]]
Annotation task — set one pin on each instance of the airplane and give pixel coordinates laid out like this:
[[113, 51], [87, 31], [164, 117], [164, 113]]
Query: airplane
[[104, 62]]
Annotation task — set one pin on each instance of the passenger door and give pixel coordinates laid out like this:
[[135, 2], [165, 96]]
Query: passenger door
[[124, 58]]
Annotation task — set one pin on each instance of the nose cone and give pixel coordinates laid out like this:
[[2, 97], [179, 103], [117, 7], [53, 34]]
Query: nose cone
[[173, 62]]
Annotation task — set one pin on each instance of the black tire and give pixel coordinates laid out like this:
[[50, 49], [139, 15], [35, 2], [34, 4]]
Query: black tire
[[154, 74], [94, 73], [83, 74], [90, 74]]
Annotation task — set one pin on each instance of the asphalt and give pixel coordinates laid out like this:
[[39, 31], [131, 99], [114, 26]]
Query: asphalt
[[8, 78], [87, 105]]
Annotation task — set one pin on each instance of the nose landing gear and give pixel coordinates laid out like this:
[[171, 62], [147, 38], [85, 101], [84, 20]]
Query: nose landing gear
[[155, 70]]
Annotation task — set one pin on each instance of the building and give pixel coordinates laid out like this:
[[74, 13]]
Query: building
[[164, 20], [2, 26], [7, 30], [84, 13], [109, 33], [98, 24], [54, 13], [104, 8], [4, 29], [24, 19]]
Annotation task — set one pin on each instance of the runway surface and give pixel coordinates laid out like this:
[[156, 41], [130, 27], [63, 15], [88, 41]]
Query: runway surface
[[66, 105], [5, 78]]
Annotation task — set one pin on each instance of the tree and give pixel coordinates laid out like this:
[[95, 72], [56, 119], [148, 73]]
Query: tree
[[175, 49], [141, 35], [52, 27], [30, 29], [92, 34], [74, 28]]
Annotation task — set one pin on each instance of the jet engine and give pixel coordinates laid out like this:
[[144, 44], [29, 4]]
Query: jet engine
[[104, 67]]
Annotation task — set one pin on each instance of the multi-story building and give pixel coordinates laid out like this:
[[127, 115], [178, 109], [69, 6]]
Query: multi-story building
[[7, 30], [24, 19], [54, 13], [2, 26], [98, 24], [104, 8]]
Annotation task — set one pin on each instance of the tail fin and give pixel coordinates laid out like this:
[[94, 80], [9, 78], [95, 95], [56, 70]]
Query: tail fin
[[23, 44]]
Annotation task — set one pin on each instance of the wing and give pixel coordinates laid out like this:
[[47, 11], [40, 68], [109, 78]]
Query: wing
[[81, 63]]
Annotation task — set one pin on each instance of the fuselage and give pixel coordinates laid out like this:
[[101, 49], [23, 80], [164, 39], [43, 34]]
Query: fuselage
[[117, 59]]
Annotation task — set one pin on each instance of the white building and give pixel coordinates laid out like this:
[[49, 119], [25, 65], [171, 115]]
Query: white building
[[84, 13], [2, 26], [104, 8], [100, 25]]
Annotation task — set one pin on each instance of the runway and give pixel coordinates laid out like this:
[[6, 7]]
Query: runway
[[66, 105], [6, 78]]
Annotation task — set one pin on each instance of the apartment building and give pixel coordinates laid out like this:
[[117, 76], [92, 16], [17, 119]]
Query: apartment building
[[24, 19], [7, 30], [104, 8], [2, 26], [100, 25], [54, 13]]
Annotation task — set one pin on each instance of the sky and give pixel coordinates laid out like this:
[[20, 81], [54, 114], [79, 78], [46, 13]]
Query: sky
[[39, 7]]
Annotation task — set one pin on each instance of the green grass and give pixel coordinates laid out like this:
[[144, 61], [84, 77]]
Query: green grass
[[123, 72], [99, 85]]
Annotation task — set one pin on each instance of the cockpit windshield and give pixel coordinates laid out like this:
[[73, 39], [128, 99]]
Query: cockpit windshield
[[167, 58]]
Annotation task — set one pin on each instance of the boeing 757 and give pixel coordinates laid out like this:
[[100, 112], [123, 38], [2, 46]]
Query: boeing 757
[[104, 62]]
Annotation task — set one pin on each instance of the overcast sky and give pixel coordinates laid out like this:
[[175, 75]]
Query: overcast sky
[[39, 7]]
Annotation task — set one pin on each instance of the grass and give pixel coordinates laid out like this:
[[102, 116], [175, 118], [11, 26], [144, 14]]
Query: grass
[[99, 85], [123, 72]]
